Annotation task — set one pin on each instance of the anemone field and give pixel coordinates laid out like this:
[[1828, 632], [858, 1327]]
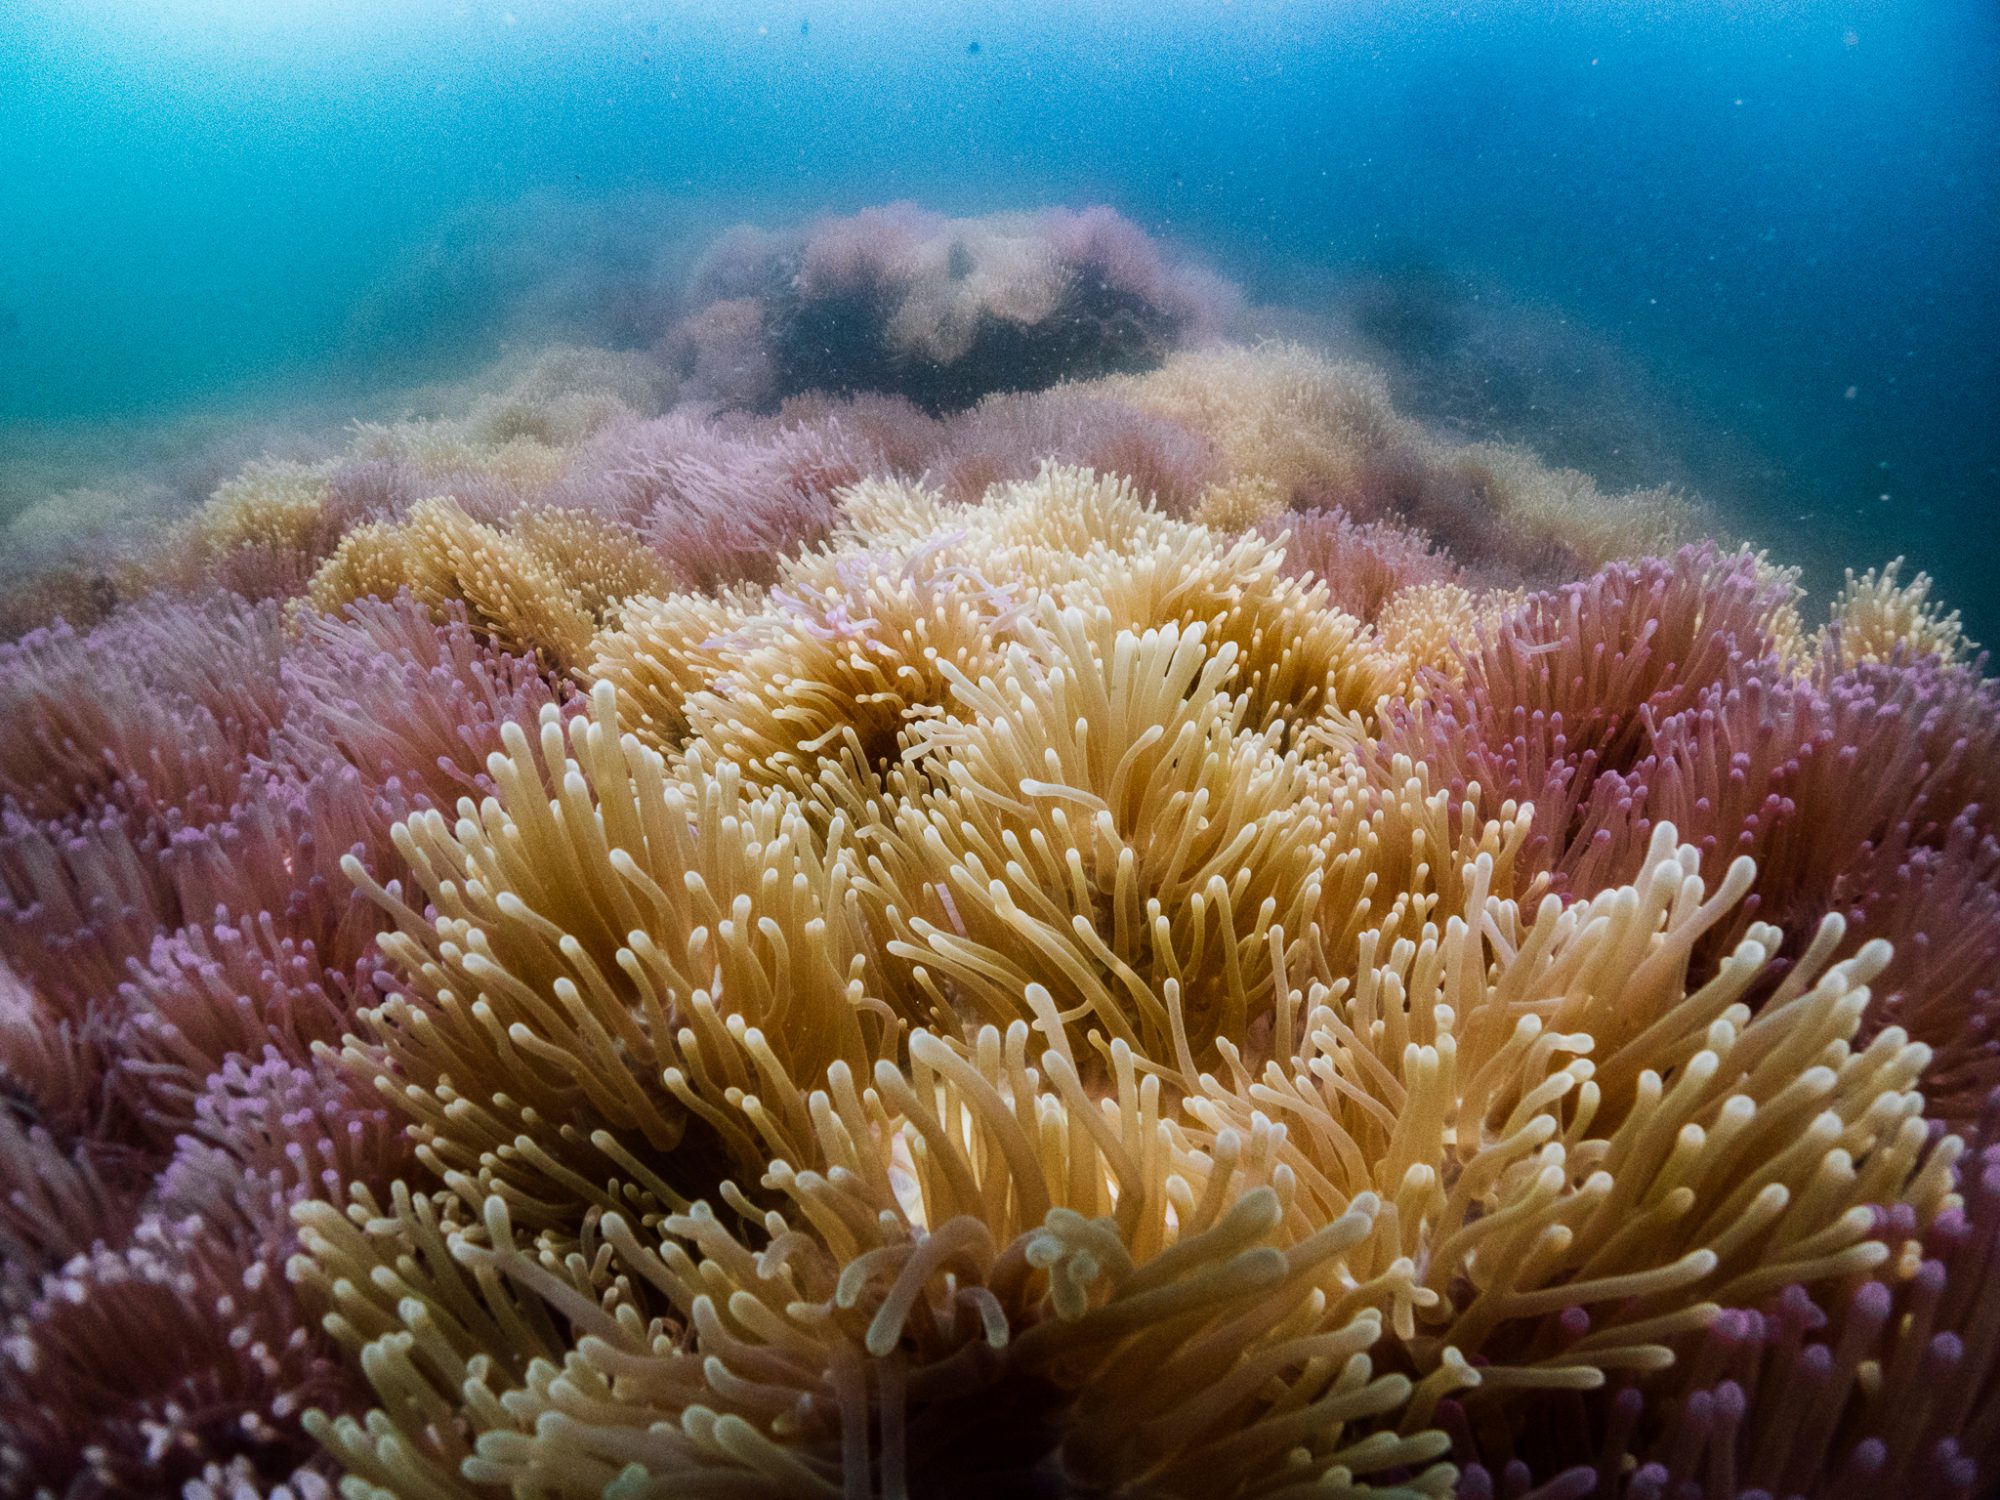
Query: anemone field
[[953, 882]]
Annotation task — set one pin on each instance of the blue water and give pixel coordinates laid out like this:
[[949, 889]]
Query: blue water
[[1772, 224]]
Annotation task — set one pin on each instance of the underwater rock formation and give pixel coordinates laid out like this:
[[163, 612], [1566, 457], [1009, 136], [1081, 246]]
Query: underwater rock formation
[[1168, 935], [899, 301]]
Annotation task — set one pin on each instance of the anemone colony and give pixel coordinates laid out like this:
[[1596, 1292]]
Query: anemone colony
[[819, 912]]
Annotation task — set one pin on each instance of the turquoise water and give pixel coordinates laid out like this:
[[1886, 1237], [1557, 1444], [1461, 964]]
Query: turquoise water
[[1746, 248]]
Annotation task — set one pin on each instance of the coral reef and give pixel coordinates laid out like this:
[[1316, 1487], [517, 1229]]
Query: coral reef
[[1054, 914]]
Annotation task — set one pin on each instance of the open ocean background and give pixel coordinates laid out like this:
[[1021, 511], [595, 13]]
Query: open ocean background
[[1746, 247]]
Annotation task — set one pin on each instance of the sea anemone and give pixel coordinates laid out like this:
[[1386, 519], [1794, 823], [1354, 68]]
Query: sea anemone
[[1363, 564], [1876, 617], [1008, 437], [849, 664], [719, 502], [622, 958], [1326, 435], [135, 1369], [158, 713], [407, 697], [542, 584], [1164, 932]]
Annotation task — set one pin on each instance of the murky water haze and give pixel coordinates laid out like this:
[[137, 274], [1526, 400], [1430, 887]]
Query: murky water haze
[[1744, 248]]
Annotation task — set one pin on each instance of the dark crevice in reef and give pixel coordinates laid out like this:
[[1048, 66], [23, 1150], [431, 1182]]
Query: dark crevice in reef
[[840, 345], [991, 1441]]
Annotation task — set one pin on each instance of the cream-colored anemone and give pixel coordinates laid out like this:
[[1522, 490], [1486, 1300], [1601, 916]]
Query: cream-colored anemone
[[542, 583], [1395, 852], [1036, 534], [995, 1277], [1581, 1154], [1327, 431], [1093, 540], [521, 463], [439, 553], [1793, 645], [1094, 825], [277, 505], [622, 973], [849, 667], [852, 643], [894, 512], [1877, 616], [1432, 626], [1304, 666], [1564, 508], [598, 559], [1510, 1152], [556, 395], [661, 652], [1278, 411], [1428, 624], [1240, 502]]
